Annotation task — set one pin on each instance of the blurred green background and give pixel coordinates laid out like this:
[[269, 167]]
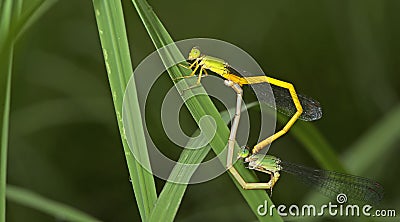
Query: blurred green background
[[64, 141]]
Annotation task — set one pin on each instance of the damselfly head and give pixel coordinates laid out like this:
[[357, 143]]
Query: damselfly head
[[245, 152], [194, 53]]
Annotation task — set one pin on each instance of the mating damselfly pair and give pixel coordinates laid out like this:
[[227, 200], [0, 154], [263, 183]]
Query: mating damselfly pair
[[294, 105]]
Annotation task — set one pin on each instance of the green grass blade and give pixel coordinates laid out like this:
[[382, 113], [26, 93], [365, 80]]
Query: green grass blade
[[200, 106], [111, 26], [172, 193], [5, 117], [375, 143], [35, 201], [5, 99], [9, 10], [33, 10], [6, 15], [153, 25], [10, 20]]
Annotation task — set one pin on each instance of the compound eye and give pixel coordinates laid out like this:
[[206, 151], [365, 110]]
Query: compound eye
[[244, 153]]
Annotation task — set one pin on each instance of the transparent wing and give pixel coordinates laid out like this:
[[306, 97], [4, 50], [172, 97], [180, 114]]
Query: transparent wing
[[357, 189], [283, 101]]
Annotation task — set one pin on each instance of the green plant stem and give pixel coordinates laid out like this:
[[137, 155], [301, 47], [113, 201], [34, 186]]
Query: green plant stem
[[9, 9], [12, 24], [111, 27], [4, 133], [33, 10]]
